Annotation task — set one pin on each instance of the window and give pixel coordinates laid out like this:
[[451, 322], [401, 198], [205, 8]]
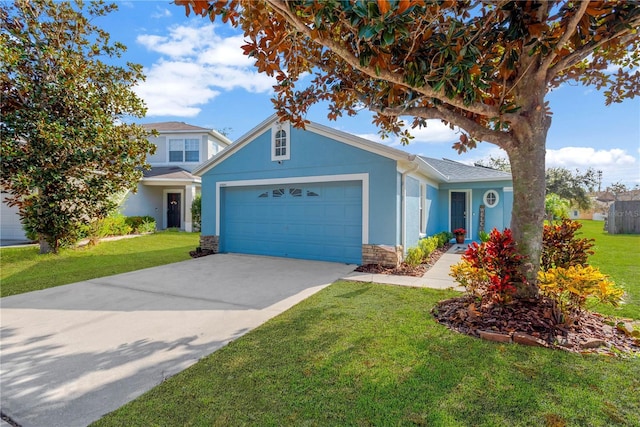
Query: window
[[491, 198], [280, 142], [184, 150]]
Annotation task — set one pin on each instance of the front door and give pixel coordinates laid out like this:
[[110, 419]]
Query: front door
[[458, 210], [173, 210]]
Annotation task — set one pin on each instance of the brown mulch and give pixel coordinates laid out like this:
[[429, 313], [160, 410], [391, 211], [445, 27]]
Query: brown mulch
[[537, 322], [404, 269]]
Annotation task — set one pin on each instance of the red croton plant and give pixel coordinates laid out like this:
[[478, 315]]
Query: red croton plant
[[483, 66]]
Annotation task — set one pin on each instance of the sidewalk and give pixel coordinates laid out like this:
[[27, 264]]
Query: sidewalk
[[437, 277]]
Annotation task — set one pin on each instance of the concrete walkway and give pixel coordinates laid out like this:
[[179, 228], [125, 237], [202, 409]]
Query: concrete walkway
[[437, 277], [72, 353]]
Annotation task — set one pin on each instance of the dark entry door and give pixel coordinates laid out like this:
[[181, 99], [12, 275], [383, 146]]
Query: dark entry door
[[458, 210], [173, 210]]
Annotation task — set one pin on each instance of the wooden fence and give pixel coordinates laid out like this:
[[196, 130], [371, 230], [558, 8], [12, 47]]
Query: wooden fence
[[624, 217]]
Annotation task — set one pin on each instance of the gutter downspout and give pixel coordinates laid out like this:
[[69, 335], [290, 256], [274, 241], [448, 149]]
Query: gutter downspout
[[403, 201]]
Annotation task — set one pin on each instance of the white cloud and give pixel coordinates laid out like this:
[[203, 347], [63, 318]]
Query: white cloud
[[176, 89], [569, 157], [435, 132], [195, 66], [161, 13], [616, 164]]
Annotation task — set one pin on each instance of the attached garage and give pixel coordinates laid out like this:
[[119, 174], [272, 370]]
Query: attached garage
[[319, 221], [322, 194]]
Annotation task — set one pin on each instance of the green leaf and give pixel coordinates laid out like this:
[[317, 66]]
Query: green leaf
[[366, 32]]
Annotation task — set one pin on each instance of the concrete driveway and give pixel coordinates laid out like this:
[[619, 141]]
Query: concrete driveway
[[73, 353]]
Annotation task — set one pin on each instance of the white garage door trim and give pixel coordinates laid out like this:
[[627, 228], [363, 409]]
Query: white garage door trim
[[362, 177]]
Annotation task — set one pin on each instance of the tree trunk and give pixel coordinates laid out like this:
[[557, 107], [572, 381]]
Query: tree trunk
[[527, 157], [44, 246]]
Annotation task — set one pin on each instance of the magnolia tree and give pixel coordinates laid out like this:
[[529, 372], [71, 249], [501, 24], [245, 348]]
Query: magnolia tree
[[66, 154], [483, 66]]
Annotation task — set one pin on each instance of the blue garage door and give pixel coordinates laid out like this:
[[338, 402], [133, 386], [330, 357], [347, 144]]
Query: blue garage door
[[310, 221]]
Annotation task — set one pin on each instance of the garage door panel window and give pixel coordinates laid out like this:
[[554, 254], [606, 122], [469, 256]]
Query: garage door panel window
[[287, 193]]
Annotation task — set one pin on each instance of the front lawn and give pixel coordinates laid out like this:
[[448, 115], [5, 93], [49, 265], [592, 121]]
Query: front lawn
[[617, 255], [366, 354], [23, 269]]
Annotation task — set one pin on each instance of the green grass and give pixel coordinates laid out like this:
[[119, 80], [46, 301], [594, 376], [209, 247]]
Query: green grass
[[24, 270], [617, 255], [365, 354]]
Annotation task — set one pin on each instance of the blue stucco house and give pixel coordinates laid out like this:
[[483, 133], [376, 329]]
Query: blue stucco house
[[322, 194]]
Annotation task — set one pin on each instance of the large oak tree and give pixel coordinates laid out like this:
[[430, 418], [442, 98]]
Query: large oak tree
[[484, 66], [66, 151]]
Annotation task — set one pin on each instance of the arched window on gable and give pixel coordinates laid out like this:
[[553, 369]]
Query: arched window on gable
[[280, 142]]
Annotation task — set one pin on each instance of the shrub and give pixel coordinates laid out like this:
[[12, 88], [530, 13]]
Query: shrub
[[428, 245], [484, 236], [561, 247], [196, 212], [572, 287], [474, 280], [112, 225], [443, 238], [414, 256], [500, 261], [141, 224]]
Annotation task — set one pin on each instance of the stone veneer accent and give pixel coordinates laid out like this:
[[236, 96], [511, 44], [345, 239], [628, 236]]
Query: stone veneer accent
[[385, 255], [210, 243]]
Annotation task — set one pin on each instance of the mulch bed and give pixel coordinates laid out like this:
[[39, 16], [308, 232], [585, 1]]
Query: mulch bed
[[534, 322], [403, 269], [529, 322]]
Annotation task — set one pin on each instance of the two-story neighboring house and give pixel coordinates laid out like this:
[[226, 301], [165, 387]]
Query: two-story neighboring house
[[167, 190]]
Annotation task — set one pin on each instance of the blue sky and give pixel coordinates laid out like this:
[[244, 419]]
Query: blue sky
[[196, 73]]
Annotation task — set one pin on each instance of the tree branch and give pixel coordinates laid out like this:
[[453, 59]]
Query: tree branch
[[588, 49], [476, 130], [281, 8], [571, 28]]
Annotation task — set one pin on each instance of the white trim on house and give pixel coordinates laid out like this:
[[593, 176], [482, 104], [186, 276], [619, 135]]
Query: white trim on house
[[363, 177], [169, 182], [495, 203], [334, 134], [468, 211], [286, 128], [165, 207]]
